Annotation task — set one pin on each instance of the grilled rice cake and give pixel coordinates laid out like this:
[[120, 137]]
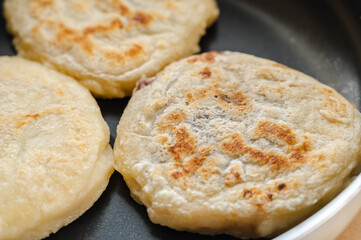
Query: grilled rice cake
[[226, 142], [55, 158], [108, 44]]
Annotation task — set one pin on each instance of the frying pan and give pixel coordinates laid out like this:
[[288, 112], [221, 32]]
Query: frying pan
[[320, 38]]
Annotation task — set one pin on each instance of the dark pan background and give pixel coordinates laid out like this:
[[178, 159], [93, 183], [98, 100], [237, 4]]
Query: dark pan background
[[320, 38]]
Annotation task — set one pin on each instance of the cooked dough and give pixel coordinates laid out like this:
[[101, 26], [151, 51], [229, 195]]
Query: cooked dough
[[231, 143], [55, 158], [108, 44]]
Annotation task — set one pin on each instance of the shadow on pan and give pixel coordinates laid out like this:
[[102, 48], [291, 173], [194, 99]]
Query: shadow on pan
[[320, 38]]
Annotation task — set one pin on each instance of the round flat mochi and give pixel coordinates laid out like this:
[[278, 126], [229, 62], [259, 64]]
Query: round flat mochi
[[231, 143], [108, 45], [55, 158]]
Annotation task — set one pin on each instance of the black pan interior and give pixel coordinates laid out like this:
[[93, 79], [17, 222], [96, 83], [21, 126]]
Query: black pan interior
[[320, 38]]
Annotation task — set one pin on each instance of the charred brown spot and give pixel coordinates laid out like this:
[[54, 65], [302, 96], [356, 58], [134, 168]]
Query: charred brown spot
[[237, 146], [270, 196], [247, 193], [143, 18], [192, 60], [39, 6], [236, 175], [253, 192], [297, 155], [193, 164], [35, 116], [208, 91], [123, 9], [281, 66], [233, 177], [118, 57], [226, 98], [281, 186], [298, 152], [65, 33], [184, 144], [206, 73], [168, 122], [176, 175], [85, 44], [328, 91], [163, 139], [255, 154], [189, 98], [171, 149], [282, 132], [163, 127], [20, 124], [26, 118], [210, 56], [114, 24], [206, 172], [44, 3], [134, 51], [175, 117], [92, 30], [275, 161], [142, 84], [238, 98], [257, 196]]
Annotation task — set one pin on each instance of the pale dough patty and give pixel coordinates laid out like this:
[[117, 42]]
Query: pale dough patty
[[108, 45], [231, 143], [55, 158]]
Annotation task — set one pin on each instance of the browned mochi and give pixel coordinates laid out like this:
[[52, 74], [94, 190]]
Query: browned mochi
[[108, 44], [55, 157], [226, 142]]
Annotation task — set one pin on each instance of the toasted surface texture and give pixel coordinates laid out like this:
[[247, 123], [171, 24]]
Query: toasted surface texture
[[231, 143], [108, 44], [55, 158]]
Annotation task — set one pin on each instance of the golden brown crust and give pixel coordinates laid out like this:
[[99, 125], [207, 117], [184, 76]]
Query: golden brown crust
[[108, 45], [225, 142], [55, 156]]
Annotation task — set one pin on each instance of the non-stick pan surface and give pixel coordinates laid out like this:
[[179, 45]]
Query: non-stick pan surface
[[320, 38]]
